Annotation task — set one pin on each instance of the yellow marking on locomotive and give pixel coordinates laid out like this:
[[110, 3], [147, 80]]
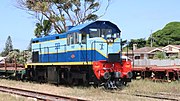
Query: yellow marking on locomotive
[[58, 63], [62, 51]]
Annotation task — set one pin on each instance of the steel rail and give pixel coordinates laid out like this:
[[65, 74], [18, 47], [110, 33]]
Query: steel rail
[[38, 95], [160, 96], [157, 97]]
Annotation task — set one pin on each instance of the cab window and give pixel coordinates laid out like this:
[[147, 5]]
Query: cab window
[[94, 32], [106, 33]]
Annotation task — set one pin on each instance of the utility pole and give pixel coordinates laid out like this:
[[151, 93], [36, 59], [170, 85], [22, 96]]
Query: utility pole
[[151, 39]]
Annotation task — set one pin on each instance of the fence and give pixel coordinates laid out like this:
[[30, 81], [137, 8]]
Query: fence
[[150, 62]]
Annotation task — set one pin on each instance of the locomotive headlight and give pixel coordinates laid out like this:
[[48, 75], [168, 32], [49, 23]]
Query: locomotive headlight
[[110, 40], [117, 74], [107, 75], [129, 75]]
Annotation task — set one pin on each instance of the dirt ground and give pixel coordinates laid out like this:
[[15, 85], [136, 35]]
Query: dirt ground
[[99, 94]]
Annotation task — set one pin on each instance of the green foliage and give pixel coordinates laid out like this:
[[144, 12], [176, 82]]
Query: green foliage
[[13, 55], [38, 30], [173, 57], [21, 57], [8, 47], [159, 55], [170, 34], [140, 43], [62, 13], [43, 29], [91, 17], [46, 27]]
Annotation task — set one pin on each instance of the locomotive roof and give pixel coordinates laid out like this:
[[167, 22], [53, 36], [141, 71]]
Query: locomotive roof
[[95, 24], [81, 28]]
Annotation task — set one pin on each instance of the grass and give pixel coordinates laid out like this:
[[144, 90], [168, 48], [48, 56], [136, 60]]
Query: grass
[[8, 97], [99, 94], [153, 87]]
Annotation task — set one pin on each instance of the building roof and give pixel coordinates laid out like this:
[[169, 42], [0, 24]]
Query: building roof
[[144, 49], [169, 49], [174, 46], [178, 46], [153, 49], [147, 50]]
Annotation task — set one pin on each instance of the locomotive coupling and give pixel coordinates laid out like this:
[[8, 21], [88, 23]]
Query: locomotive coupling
[[117, 74]]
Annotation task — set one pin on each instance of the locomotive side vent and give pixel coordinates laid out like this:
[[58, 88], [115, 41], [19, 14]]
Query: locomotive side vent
[[113, 57]]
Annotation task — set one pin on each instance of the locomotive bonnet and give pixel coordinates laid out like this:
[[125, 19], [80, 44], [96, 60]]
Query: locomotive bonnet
[[85, 54]]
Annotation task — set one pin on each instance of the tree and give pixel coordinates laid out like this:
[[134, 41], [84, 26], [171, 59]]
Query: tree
[[21, 57], [140, 43], [8, 47], [160, 55], [61, 13], [168, 35], [43, 29], [14, 54]]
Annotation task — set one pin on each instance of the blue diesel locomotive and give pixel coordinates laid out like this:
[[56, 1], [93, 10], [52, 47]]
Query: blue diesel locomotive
[[85, 54]]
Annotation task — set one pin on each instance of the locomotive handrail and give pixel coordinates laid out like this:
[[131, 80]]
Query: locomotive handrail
[[82, 52]]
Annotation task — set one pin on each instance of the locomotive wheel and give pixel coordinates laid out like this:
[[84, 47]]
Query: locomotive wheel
[[110, 85]]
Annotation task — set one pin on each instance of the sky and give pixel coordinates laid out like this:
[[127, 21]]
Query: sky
[[135, 18]]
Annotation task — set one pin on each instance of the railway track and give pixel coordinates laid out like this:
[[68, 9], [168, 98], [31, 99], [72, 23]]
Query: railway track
[[38, 95], [160, 96]]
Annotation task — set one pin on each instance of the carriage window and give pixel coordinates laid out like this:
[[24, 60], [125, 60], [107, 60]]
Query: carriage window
[[68, 39], [76, 38], [94, 32], [73, 38], [106, 33]]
